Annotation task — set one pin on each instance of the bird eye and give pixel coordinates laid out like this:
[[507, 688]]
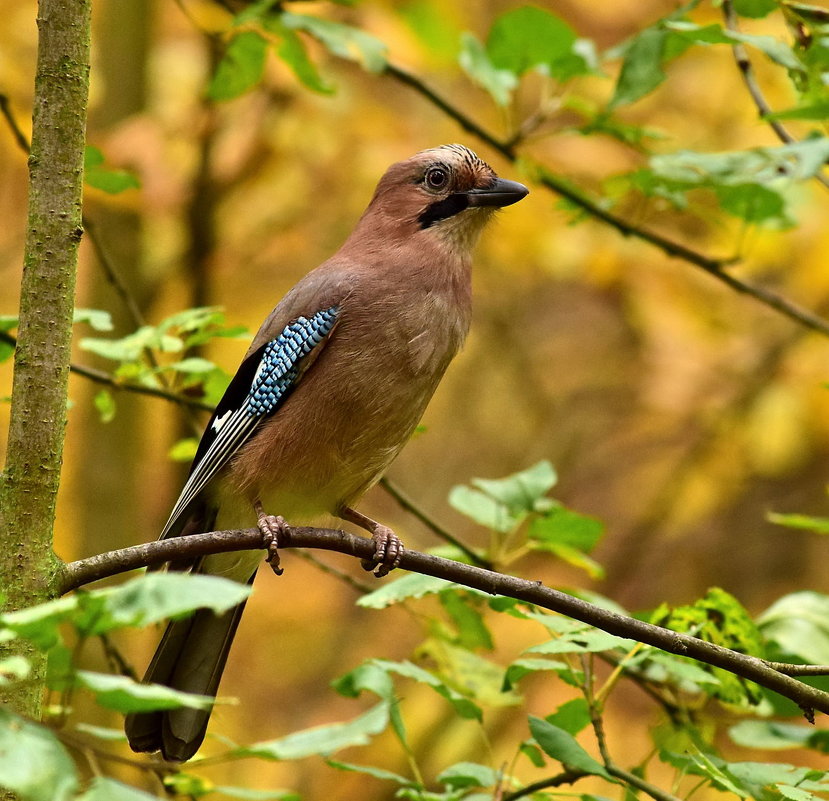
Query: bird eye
[[436, 178]]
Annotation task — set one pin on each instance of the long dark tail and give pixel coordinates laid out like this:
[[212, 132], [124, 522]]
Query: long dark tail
[[190, 657]]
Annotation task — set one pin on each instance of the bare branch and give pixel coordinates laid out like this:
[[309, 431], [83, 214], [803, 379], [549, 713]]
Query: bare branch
[[84, 571]]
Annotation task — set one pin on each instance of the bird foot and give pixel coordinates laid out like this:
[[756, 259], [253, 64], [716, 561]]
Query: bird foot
[[275, 533], [388, 548]]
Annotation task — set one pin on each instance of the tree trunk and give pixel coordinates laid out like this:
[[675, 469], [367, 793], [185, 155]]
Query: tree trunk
[[29, 483]]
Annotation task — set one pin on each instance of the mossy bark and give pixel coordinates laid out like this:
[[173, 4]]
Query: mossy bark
[[30, 479]]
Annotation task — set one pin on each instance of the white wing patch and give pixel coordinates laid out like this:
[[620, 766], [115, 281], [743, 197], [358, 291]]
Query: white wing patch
[[220, 421]]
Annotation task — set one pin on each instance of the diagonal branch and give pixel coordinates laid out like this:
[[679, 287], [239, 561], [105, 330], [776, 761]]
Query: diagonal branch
[[84, 571], [714, 267]]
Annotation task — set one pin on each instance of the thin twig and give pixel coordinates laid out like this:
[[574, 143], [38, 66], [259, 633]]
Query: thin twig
[[350, 581], [107, 379], [84, 571], [713, 266], [17, 131], [410, 506], [115, 658], [631, 779], [114, 277], [799, 670], [565, 777], [753, 87]]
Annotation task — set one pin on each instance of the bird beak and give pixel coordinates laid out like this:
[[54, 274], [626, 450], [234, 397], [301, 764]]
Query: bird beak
[[500, 193]]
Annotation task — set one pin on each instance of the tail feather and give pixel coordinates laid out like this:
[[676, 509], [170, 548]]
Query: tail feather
[[190, 657]]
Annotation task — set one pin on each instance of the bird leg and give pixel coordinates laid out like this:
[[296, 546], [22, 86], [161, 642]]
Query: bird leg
[[275, 532], [387, 545]]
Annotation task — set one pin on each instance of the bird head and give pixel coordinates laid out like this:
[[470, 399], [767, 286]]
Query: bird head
[[447, 192]]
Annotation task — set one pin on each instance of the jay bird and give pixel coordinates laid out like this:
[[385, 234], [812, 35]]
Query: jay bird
[[327, 395]]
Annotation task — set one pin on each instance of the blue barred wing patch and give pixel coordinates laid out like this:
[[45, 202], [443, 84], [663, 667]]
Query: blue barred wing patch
[[250, 398], [282, 358]]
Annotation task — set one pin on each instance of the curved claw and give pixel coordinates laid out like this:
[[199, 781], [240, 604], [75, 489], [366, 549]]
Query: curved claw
[[388, 548], [275, 533]]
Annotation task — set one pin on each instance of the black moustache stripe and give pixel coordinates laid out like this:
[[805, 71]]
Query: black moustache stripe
[[441, 209]]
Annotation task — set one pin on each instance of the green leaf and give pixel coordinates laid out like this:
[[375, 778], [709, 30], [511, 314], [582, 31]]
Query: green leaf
[[560, 526], [582, 640], [776, 50], [194, 364], [240, 68], [106, 179], [748, 183], [572, 716], [757, 776], [468, 774], [772, 735], [820, 525], [532, 38], [561, 745], [369, 770], [718, 617], [131, 347], [463, 706], [139, 602], [818, 111], [104, 789], [754, 8], [342, 40], [646, 54], [520, 491], [522, 667], [368, 676], [475, 62], [412, 585], [322, 740], [99, 320], [477, 678], [642, 68], [472, 631], [752, 203], [127, 695], [33, 763], [293, 52], [763, 165], [105, 404], [799, 624], [687, 674], [154, 597], [483, 509]]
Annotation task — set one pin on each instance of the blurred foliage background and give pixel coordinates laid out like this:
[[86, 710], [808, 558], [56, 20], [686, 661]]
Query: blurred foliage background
[[675, 410]]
